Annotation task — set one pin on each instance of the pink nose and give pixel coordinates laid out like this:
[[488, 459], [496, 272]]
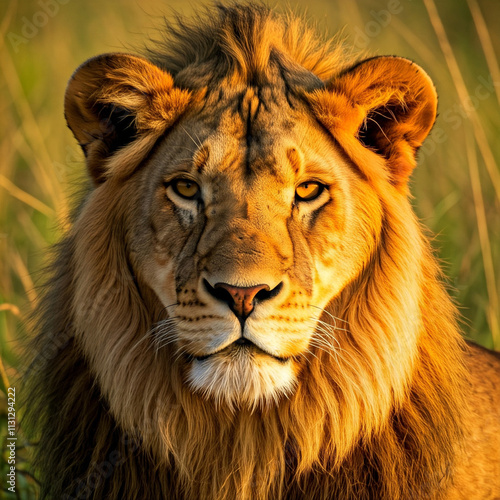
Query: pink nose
[[241, 299]]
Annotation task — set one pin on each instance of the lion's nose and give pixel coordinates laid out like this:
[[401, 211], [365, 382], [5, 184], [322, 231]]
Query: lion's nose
[[241, 300]]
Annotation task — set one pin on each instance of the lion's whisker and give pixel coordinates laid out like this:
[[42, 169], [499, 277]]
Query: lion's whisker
[[336, 318], [162, 333], [329, 325], [322, 340], [170, 305], [198, 144]]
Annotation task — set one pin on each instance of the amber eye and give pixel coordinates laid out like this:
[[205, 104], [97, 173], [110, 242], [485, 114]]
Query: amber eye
[[186, 188], [309, 190]]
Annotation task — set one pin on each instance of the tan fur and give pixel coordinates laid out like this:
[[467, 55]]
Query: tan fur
[[358, 384]]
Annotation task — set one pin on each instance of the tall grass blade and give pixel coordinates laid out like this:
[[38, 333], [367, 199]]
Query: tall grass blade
[[486, 43], [461, 88], [482, 226]]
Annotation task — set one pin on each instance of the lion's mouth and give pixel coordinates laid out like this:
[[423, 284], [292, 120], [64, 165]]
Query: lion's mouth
[[241, 345]]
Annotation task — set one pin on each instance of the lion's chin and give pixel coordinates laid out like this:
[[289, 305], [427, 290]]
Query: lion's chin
[[242, 379]]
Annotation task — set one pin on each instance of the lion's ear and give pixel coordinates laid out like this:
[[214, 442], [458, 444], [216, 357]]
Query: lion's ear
[[114, 99], [386, 104]]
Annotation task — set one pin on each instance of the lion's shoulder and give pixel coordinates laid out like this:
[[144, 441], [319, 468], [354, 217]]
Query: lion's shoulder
[[483, 360], [480, 462], [483, 366]]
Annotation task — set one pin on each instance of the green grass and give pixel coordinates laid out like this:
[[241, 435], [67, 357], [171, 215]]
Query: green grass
[[456, 187]]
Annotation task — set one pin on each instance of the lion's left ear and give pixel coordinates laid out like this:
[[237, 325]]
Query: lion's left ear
[[115, 99], [385, 104]]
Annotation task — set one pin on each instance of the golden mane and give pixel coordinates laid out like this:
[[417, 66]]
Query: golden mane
[[241, 42], [382, 418]]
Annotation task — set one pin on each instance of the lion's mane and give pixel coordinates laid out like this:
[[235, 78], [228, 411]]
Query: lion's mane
[[385, 423]]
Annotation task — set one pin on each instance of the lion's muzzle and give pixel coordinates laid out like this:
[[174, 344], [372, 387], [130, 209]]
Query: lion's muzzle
[[241, 300]]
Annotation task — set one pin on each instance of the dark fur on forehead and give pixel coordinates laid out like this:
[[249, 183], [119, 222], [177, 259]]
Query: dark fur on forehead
[[249, 44]]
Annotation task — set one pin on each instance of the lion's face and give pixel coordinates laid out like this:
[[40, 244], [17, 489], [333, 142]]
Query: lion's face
[[250, 225], [246, 210]]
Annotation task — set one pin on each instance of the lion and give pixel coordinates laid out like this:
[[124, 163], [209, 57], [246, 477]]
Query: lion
[[245, 305]]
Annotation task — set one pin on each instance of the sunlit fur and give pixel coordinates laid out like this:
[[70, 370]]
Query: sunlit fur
[[373, 404], [251, 384]]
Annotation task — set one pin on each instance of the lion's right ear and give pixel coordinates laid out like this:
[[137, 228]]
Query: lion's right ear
[[115, 99], [380, 111]]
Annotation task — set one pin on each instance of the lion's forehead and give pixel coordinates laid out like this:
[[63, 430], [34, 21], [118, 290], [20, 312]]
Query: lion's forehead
[[253, 141]]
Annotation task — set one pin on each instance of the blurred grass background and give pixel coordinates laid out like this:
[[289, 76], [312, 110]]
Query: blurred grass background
[[456, 186]]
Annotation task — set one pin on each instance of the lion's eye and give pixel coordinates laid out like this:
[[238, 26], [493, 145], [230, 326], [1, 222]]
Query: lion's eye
[[309, 190], [186, 188]]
